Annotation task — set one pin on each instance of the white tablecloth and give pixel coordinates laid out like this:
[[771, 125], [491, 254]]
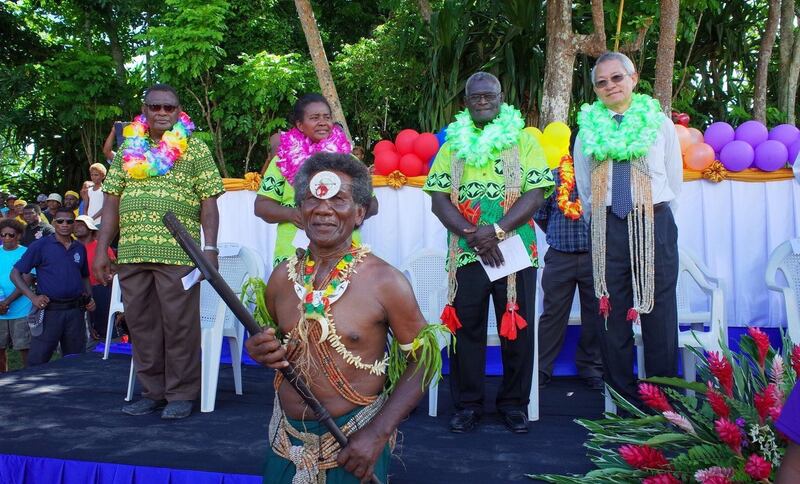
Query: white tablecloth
[[731, 227]]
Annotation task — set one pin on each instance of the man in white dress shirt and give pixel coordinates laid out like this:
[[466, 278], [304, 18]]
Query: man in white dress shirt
[[628, 172]]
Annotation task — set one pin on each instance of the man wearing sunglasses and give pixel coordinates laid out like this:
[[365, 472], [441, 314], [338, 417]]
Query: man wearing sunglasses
[[62, 275], [629, 172], [162, 317]]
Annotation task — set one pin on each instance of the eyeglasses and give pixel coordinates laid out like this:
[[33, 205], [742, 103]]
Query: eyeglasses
[[62, 221], [8, 236], [603, 83], [487, 96], [167, 108]]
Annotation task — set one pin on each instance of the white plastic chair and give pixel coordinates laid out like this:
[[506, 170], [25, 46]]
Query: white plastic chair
[[785, 260], [236, 265], [115, 307], [426, 272], [717, 334]]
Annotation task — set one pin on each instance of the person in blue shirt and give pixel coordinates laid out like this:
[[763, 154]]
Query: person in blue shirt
[[14, 307], [567, 265], [62, 272]]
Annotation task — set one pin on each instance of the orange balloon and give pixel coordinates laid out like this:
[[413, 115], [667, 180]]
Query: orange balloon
[[684, 137], [698, 156], [697, 136]]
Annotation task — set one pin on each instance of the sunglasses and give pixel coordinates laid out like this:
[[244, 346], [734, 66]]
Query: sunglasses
[[616, 79], [167, 108], [62, 221], [8, 236]]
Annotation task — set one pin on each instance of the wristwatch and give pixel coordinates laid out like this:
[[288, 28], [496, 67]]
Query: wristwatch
[[500, 233], [211, 248]]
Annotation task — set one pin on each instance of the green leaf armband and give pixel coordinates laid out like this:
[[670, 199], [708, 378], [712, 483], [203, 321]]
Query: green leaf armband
[[425, 350]]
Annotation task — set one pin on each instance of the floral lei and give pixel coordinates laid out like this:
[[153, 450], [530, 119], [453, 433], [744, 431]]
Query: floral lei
[[295, 148], [571, 210], [316, 304], [477, 147], [140, 161], [603, 138]]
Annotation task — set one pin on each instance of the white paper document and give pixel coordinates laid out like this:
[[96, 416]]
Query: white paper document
[[300, 240], [191, 279], [515, 256]]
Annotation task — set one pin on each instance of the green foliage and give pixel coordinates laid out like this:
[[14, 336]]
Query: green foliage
[[425, 352]]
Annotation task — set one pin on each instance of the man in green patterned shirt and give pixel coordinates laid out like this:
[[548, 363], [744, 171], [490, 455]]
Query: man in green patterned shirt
[[163, 318], [487, 180]]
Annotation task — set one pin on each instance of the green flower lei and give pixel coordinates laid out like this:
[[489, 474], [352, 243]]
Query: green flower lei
[[478, 147], [603, 138]]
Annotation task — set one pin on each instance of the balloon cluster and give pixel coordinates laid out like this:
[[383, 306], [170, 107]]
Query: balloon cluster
[[409, 154], [751, 145], [554, 140], [697, 154]]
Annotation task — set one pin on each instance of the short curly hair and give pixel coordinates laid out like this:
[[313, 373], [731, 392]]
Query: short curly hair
[[12, 223], [345, 163]]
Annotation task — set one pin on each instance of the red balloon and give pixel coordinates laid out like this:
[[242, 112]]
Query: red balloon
[[405, 141], [386, 162], [411, 165], [426, 145], [383, 145]]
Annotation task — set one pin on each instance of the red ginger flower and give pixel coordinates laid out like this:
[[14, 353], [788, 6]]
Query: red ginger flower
[[643, 457], [717, 480], [762, 344], [765, 401], [661, 479], [717, 402], [729, 433], [795, 359], [714, 475], [721, 368], [654, 398], [757, 467]]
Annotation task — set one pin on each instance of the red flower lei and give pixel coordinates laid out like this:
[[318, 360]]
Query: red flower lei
[[571, 210]]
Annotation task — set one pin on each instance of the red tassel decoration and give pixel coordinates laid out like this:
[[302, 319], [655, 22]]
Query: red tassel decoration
[[511, 322], [605, 306], [633, 315], [450, 318]]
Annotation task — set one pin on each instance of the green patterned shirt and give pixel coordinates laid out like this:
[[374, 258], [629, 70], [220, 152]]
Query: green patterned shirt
[[275, 186], [482, 191], [142, 204]]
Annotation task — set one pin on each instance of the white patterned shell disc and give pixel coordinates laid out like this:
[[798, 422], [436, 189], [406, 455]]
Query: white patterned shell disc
[[325, 185]]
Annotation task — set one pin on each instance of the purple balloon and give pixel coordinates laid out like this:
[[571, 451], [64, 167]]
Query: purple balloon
[[718, 135], [794, 150], [785, 133], [752, 132], [737, 155], [770, 155]]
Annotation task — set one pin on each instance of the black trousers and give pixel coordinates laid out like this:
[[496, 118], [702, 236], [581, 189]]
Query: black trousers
[[468, 361], [99, 317], [660, 326], [64, 326], [563, 272]]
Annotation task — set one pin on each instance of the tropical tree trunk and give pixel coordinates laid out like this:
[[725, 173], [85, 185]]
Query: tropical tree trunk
[[665, 56], [425, 10], [791, 80], [764, 54], [320, 60], [563, 44], [785, 47]]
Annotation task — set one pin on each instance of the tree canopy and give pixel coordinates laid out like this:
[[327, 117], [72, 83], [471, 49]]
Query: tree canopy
[[70, 68]]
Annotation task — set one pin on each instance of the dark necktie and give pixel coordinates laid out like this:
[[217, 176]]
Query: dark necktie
[[621, 202]]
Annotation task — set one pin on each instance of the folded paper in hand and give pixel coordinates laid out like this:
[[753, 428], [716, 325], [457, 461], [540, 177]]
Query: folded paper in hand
[[515, 259]]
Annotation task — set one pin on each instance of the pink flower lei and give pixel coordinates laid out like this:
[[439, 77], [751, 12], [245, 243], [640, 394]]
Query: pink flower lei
[[295, 148]]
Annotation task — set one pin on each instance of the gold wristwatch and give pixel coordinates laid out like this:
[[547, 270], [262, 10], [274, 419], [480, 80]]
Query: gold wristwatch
[[500, 233]]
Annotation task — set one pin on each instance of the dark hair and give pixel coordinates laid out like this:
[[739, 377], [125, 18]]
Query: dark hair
[[34, 207], [12, 223], [342, 162], [299, 109], [161, 88], [63, 209]]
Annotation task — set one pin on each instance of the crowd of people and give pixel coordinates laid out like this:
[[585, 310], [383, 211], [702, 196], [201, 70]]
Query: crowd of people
[[334, 304]]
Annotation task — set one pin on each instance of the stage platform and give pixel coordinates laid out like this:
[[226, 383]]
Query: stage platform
[[61, 423]]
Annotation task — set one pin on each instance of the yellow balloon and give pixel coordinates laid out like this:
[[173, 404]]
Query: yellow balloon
[[534, 131], [558, 134], [553, 155]]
